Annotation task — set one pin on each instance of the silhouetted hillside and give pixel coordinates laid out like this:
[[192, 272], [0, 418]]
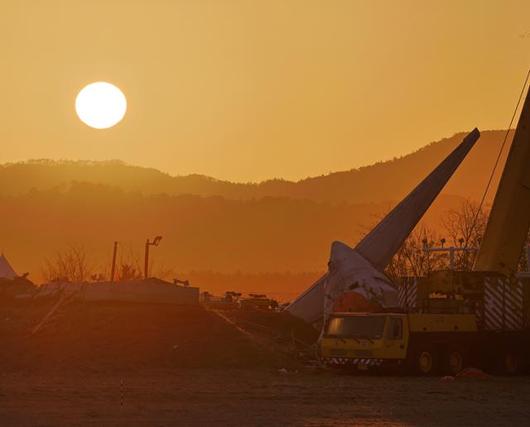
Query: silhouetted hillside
[[382, 181], [199, 233], [214, 232]]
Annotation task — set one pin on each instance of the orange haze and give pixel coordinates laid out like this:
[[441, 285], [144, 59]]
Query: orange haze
[[250, 90]]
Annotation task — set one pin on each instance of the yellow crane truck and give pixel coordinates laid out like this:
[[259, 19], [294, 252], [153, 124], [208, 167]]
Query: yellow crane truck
[[419, 343], [453, 319], [475, 321]]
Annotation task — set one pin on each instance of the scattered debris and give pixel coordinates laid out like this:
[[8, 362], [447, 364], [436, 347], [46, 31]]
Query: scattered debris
[[472, 373], [234, 301]]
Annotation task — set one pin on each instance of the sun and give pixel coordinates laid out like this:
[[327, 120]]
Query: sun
[[100, 105]]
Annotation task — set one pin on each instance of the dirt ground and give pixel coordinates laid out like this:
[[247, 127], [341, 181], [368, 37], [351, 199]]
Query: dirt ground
[[259, 397], [162, 365], [123, 337]]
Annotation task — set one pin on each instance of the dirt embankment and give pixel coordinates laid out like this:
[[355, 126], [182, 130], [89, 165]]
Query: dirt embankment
[[114, 337]]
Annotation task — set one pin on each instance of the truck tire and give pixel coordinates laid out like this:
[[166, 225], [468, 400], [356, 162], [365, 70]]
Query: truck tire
[[511, 363], [424, 362], [454, 361]]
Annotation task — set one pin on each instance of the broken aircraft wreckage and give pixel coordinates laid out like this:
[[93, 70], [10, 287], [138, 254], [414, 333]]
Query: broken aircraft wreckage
[[361, 269]]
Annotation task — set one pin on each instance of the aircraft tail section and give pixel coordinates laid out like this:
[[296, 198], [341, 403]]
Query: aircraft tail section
[[381, 244], [361, 269]]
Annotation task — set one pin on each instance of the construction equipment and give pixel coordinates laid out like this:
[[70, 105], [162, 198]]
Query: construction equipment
[[230, 301], [394, 340], [453, 319], [509, 219], [259, 302]]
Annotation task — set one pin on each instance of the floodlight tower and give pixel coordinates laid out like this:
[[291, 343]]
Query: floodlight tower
[[451, 250], [148, 243]]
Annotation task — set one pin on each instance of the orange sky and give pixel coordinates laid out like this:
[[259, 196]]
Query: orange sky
[[248, 90]]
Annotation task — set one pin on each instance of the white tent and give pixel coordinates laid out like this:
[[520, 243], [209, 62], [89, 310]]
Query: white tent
[[6, 271]]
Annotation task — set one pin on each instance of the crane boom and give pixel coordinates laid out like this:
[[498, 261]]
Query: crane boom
[[509, 219]]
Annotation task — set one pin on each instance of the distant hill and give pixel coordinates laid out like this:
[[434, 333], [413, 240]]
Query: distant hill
[[217, 233], [199, 233], [383, 181]]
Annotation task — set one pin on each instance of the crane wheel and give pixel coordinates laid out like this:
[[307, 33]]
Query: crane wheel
[[424, 362], [511, 363], [454, 361]]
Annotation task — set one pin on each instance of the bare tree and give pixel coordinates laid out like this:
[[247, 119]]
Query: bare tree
[[130, 269], [128, 272], [70, 265], [412, 260], [464, 228], [161, 271], [129, 266]]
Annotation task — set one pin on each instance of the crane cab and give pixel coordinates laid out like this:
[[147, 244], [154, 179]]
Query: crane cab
[[364, 340], [423, 342]]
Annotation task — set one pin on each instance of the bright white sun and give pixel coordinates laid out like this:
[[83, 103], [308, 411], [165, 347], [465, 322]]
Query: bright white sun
[[100, 105]]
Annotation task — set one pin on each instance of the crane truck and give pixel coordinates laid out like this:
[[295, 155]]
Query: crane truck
[[454, 319]]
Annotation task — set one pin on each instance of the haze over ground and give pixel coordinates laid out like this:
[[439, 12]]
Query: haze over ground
[[262, 92], [247, 91], [274, 236]]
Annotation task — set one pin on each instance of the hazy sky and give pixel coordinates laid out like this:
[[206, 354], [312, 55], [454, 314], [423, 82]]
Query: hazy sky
[[248, 90]]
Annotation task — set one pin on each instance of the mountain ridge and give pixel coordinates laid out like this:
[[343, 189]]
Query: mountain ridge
[[214, 226], [372, 183]]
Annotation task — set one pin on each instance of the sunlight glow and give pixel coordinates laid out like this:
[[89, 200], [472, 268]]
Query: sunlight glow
[[101, 105]]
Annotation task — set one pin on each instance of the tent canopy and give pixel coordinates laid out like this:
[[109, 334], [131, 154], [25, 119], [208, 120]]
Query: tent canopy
[[6, 271]]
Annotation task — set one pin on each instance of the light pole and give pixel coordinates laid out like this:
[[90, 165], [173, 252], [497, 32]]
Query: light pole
[[113, 267], [451, 250], [148, 243]]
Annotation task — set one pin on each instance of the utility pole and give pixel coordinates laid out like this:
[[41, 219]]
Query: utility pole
[[113, 267], [148, 243]]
